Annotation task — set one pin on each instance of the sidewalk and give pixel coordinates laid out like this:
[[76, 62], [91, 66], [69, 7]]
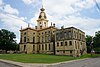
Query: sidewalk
[[36, 64]]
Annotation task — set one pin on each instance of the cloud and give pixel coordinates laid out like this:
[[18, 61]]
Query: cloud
[[28, 2], [12, 23], [65, 7], [10, 10], [67, 13], [1, 2]]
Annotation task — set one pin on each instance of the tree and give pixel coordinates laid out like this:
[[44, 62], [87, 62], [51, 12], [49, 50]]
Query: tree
[[7, 41], [88, 42], [97, 40]]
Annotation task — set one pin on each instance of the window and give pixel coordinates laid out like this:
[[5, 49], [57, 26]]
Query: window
[[42, 38], [24, 47], [69, 34], [33, 39], [42, 47], [28, 40], [61, 43], [49, 46], [24, 39], [45, 46], [70, 52], [53, 31], [45, 32], [57, 43], [25, 33], [39, 47], [65, 43], [33, 33], [49, 32], [70, 42], [57, 50], [33, 47], [45, 24], [63, 51], [38, 39]]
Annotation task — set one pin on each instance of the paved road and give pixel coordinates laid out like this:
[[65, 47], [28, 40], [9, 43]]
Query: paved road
[[92, 62], [2, 64]]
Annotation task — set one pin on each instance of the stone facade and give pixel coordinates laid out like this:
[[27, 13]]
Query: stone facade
[[50, 40], [70, 41]]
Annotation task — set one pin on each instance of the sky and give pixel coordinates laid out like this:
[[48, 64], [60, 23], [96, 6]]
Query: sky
[[82, 14]]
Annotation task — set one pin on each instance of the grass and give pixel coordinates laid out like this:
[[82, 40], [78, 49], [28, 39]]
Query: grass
[[40, 58]]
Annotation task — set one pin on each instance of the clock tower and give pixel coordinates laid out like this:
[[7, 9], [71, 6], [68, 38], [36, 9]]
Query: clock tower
[[42, 21]]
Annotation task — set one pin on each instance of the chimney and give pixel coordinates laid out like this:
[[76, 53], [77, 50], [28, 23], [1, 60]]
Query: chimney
[[36, 27], [28, 25], [51, 23], [54, 25], [21, 27]]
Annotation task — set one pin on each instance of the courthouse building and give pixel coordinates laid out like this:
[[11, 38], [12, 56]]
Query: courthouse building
[[46, 39]]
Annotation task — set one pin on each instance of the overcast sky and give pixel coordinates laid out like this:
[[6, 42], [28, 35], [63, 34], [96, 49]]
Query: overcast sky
[[82, 14]]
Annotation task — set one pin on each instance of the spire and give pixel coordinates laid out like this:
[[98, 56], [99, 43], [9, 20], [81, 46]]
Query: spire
[[42, 9]]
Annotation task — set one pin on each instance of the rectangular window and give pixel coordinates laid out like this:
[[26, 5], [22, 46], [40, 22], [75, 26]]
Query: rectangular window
[[63, 51], [70, 52], [65, 43], [57, 43], [33, 47], [57, 50], [61, 43], [70, 42]]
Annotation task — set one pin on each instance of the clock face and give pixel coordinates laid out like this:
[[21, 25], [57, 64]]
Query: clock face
[[42, 14]]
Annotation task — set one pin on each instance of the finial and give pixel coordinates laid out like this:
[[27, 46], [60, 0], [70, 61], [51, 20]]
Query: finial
[[42, 5], [21, 27], [51, 23], [42, 9]]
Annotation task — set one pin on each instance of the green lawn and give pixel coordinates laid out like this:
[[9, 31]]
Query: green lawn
[[39, 58]]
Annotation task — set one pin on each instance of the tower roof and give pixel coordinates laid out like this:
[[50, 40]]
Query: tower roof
[[42, 14], [42, 9]]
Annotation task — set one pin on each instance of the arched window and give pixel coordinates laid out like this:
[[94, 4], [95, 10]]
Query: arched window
[[39, 47], [49, 46], [42, 47], [33, 39], [45, 46], [24, 39], [33, 47]]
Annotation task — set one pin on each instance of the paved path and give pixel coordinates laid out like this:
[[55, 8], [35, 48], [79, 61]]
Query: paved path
[[3, 64], [89, 62]]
